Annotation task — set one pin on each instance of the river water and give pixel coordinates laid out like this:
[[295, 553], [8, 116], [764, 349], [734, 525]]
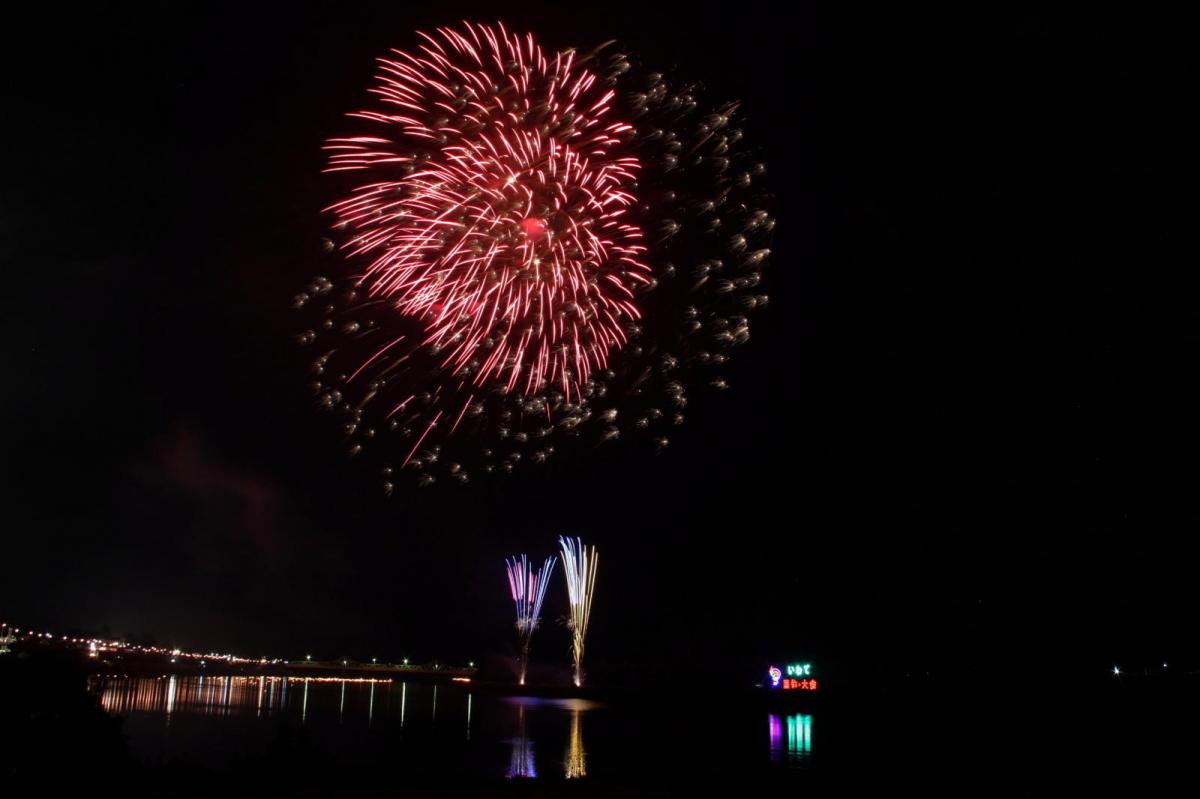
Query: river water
[[343, 736], [420, 731]]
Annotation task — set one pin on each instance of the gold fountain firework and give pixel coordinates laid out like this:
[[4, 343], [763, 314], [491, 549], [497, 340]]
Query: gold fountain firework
[[579, 564]]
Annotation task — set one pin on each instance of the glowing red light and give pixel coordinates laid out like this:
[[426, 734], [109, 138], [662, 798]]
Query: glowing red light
[[534, 227]]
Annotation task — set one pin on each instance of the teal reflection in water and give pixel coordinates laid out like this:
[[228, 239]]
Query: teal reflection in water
[[798, 745]]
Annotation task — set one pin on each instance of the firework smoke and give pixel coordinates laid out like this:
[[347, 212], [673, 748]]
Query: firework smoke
[[528, 590], [579, 565]]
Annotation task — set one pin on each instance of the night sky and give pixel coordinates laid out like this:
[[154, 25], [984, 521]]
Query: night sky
[[964, 431]]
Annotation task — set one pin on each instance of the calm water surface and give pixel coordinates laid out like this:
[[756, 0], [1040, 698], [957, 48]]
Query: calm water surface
[[418, 729], [276, 735]]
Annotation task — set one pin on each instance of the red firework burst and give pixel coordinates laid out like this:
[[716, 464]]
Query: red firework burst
[[496, 212]]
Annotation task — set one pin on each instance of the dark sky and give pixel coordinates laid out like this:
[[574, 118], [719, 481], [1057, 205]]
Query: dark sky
[[965, 430]]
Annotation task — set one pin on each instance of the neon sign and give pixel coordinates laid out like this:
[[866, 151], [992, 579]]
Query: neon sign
[[792, 677]]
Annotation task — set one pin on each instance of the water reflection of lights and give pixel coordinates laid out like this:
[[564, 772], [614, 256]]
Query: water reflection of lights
[[521, 764], [576, 760], [799, 737], [207, 695], [270, 698], [565, 704]]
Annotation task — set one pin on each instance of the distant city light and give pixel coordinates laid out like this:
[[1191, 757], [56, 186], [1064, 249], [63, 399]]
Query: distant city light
[[1116, 672], [118, 650]]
